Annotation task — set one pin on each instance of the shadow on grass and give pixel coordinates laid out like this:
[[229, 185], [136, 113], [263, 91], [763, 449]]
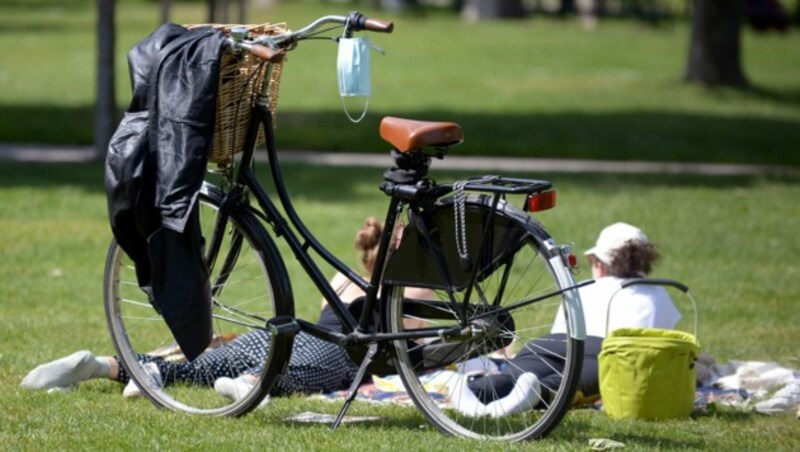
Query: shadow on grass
[[633, 135], [19, 29], [43, 4], [789, 98], [630, 135], [86, 176], [324, 183]]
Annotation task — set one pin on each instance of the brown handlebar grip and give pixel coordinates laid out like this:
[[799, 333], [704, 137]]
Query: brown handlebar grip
[[267, 54], [379, 25]]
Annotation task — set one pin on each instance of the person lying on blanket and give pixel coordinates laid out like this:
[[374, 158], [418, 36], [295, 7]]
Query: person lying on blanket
[[315, 365], [622, 252]]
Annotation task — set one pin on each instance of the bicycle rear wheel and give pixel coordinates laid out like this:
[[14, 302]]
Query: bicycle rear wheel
[[249, 286], [513, 301]]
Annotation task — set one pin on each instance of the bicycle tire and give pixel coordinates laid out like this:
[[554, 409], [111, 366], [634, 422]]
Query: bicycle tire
[[249, 286], [532, 266]]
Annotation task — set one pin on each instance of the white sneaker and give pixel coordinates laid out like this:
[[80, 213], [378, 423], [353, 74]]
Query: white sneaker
[[154, 380], [788, 398], [64, 372], [236, 388]]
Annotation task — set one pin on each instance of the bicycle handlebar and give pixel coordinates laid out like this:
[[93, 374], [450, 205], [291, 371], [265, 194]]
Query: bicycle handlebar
[[272, 47], [377, 25], [265, 53], [354, 21]]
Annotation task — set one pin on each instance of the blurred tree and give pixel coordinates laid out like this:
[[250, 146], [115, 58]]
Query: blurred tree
[[566, 7], [796, 15], [166, 6], [105, 109], [395, 5], [715, 49], [493, 9], [218, 11]]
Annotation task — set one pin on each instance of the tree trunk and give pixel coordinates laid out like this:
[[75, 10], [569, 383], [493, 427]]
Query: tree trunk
[[222, 12], [796, 15], [166, 6], [105, 110], [714, 52], [219, 11], [241, 9], [493, 9]]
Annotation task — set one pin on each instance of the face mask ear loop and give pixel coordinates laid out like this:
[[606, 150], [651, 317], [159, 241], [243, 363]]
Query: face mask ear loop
[[349, 116], [346, 33]]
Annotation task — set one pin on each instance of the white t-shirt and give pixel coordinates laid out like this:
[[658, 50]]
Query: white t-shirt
[[637, 306]]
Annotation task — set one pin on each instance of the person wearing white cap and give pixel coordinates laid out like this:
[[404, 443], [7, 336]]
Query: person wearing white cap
[[622, 252]]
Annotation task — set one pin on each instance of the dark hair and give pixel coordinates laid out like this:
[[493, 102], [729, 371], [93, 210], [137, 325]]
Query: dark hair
[[632, 260], [367, 240]]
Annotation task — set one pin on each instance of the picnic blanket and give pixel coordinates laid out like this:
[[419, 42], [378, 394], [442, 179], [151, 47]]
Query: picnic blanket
[[733, 385], [390, 390]]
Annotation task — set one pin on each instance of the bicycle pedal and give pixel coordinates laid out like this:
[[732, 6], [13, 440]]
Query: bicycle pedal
[[283, 326]]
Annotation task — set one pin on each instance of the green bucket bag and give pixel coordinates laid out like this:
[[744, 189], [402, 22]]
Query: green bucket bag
[[649, 373]]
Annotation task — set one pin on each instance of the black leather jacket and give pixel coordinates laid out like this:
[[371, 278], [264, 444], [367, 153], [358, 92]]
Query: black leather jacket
[[154, 169]]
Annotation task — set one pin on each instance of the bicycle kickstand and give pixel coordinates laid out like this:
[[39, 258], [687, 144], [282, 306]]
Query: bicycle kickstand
[[351, 394]]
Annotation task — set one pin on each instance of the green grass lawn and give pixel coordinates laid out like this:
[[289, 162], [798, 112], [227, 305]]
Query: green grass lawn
[[540, 87], [731, 239]]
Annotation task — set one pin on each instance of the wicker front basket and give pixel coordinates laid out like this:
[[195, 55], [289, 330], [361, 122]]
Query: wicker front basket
[[241, 78]]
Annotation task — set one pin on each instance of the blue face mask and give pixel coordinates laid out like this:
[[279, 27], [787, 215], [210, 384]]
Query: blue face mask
[[353, 67], [353, 70]]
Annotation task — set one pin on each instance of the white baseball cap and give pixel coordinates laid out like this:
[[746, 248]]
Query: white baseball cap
[[613, 238]]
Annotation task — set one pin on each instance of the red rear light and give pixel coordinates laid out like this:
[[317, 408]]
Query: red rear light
[[568, 256], [538, 202], [572, 261]]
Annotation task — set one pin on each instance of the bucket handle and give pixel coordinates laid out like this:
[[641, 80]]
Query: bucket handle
[[653, 282]]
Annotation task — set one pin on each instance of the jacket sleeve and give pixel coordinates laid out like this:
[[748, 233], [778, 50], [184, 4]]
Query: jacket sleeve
[[124, 179], [182, 121]]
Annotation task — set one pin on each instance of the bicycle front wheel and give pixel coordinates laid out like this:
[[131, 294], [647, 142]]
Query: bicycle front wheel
[[468, 380], [249, 286]]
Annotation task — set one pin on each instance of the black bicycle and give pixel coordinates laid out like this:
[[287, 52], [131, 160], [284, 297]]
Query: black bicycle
[[498, 277]]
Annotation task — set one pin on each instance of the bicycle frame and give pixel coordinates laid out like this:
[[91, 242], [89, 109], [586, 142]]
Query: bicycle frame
[[355, 331]]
